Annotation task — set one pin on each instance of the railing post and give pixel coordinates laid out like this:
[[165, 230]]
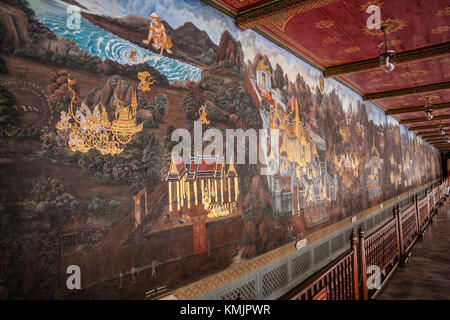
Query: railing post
[[434, 200], [398, 220], [397, 233], [353, 240], [362, 253], [439, 193], [416, 201]]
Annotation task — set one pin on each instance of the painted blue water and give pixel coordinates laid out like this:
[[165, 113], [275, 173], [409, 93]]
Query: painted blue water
[[107, 45]]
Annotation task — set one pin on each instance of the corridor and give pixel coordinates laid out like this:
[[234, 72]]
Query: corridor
[[427, 274]]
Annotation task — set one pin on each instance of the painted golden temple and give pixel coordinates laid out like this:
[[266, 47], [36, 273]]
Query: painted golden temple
[[204, 183]]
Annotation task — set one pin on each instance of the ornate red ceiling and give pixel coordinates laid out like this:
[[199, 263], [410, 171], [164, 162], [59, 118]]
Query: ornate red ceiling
[[331, 34]]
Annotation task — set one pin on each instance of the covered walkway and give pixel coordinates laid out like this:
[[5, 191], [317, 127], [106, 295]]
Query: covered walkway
[[427, 274]]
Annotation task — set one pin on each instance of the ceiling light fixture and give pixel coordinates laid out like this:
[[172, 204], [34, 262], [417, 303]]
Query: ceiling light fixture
[[387, 58], [441, 130], [428, 112]]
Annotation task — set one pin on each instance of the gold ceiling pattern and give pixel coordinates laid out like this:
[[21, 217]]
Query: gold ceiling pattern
[[332, 36]]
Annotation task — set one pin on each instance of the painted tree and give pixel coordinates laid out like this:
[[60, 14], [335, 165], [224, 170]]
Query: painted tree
[[191, 103], [161, 105], [58, 90]]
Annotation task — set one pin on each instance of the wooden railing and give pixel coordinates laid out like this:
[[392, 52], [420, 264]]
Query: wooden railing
[[423, 213], [384, 250], [408, 226], [430, 202], [435, 198], [380, 249], [442, 189], [339, 280]]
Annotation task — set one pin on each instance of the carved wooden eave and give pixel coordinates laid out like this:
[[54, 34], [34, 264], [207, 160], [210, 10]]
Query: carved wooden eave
[[431, 126], [274, 10], [407, 91], [437, 106], [403, 57], [432, 136], [437, 118]]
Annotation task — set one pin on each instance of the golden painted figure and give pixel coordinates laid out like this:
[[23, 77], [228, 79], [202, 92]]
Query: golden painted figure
[[202, 112], [64, 123], [145, 81], [93, 130], [157, 35]]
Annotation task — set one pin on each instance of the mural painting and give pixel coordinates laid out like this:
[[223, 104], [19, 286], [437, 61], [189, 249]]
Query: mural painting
[[87, 173]]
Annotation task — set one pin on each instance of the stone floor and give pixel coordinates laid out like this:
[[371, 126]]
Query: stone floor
[[427, 274]]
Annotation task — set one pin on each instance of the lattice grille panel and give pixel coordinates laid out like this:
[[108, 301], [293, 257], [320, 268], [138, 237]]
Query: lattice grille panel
[[274, 280], [321, 252], [377, 220], [369, 223], [388, 213], [247, 291], [301, 264], [337, 243]]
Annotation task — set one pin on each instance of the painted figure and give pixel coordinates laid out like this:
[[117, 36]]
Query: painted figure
[[202, 112], [133, 275], [145, 81], [154, 269], [120, 280], [157, 34]]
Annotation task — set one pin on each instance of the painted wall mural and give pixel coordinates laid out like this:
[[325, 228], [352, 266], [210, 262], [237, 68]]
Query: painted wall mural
[[89, 101]]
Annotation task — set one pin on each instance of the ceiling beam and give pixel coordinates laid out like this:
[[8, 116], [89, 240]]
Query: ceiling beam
[[407, 91], [439, 144], [429, 133], [418, 108], [430, 137], [402, 57], [443, 139], [434, 137], [423, 119], [433, 126], [274, 10]]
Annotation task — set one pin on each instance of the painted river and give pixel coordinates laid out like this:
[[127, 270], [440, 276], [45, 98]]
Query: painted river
[[107, 45]]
